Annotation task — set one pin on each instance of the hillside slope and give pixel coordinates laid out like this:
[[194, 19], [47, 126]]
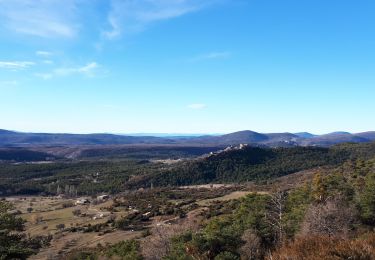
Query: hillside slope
[[254, 164], [8, 138], [23, 155]]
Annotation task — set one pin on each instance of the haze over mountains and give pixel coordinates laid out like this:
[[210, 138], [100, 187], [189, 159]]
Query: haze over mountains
[[20, 139]]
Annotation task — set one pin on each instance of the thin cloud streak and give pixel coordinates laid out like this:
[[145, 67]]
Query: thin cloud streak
[[88, 70], [128, 16], [66, 19], [49, 62], [15, 65], [42, 18], [44, 53], [211, 56]]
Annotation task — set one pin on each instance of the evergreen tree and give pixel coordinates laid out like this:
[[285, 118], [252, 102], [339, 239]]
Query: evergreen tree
[[367, 200], [13, 244], [319, 188]]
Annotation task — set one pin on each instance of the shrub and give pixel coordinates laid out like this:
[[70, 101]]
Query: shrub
[[68, 204], [76, 212], [252, 247], [227, 256], [126, 250], [13, 244], [36, 219], [146, 233], [324, 247], [331, 218], [60, 226], [83, 254]]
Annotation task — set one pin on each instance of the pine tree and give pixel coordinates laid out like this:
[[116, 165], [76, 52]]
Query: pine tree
[[367, 200], [319, 189]]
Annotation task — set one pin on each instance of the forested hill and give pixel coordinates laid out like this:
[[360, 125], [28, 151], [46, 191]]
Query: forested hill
[[255, 164], [23, 155], [20, 139]]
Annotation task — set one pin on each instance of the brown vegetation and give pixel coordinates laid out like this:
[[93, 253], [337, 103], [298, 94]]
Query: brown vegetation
[[252, 247], [328, 248], [333, 217], [158, 244]]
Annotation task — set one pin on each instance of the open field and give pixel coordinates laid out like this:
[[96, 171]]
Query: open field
[[47, 212], [232, 196], [65, 243], [55, 216], [207, 186]]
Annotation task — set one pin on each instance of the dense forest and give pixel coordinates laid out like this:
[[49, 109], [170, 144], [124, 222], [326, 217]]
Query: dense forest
[[88, 177], [116, 175], [255, 164], [23, 155]]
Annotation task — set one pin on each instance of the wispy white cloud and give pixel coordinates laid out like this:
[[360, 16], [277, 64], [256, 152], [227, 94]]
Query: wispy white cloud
[[89, 70], [128, 16], [42, 18], [197, 106], [44, 53], [211, 56], [46, 56], [49, 62], [115, 27], [66, 18], [15, 65]]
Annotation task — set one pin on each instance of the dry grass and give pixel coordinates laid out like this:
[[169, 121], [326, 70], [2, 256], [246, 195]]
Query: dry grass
[[70, 241], [157, 245], [39, 204], [323, 247], [50, 212], [232, 196], [208, 186]]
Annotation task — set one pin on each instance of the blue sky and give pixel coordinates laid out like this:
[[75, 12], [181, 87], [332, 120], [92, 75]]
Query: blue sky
[[187, 66]]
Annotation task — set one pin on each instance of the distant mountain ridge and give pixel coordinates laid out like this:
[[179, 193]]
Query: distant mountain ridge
[[9, 138], [20, 139], [305, 135]]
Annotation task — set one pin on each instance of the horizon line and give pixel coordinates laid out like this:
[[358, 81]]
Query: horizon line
[[176, 134]]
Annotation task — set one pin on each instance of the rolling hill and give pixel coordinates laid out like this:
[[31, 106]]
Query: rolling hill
[[19, 139], [254, 164], [335, 138], [367, 135], [23, 155], [9, 138]]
